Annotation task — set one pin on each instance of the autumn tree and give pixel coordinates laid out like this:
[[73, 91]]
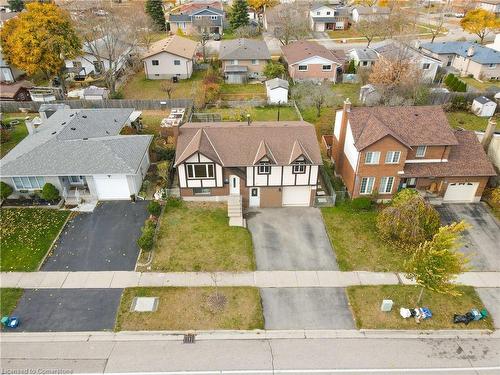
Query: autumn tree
[[39, 40], [259, 5], [479, 22], [309, 94], [290, 24], [435, 263], [154, 8], [238, 16]]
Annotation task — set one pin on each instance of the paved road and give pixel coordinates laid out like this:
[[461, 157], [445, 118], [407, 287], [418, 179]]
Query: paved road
[[261, 356]]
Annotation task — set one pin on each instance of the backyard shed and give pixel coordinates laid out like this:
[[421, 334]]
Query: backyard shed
[[483, 107], [95, 93], [277, 91]]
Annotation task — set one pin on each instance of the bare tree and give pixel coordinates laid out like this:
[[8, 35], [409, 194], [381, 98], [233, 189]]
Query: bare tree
[[202, 34], [371, 28], [290, 23], [436, 26], [168, 87], [143, 24], [310, 94]]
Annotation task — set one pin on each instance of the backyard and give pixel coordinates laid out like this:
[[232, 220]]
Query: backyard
[[26, 235], [255, 90], [268, 113], [356, 242], [192, 308], [8, 300], [16, 134], [366, 300], [467, 120], [480, 85], [197, 237]]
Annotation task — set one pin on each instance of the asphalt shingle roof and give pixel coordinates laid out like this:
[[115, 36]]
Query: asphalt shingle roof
[[482, 54], [244, 49]]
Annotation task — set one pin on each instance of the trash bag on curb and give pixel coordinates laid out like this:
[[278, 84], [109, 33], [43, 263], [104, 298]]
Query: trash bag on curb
[[465, 318]]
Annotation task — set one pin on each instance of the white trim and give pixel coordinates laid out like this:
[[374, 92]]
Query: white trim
[[367, 185], [316, 56], [375, 157], [302, 70], [419, 148], [392, 153], [413, 161], [383, 184]]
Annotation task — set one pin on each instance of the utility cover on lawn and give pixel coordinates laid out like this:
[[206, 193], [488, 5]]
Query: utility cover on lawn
[[144, 304]]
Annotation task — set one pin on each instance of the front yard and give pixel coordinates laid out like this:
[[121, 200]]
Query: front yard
[[366, 301], [26, 235], [268, 113], [467, 120], [15, 135], [197, 237], [356, 242], [192, 308], [8, 300]]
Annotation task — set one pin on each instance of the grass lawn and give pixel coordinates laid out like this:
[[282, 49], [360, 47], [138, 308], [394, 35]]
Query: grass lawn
[[356, 242], [138, 87], [365, 302], [341, 34], [26, 235], [256, 113], [467, 120], [243, 91], [190, 309], [482, 86], [8, 300], [17, 134], [197, 237], [323, 123], [151, 120]]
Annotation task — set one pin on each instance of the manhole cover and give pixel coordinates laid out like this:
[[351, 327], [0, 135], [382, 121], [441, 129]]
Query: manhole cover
[[144, 304]]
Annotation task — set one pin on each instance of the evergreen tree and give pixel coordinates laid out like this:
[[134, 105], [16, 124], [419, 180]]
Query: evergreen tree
[[16, 5], [351, 68], [239, 14], [155, 10]]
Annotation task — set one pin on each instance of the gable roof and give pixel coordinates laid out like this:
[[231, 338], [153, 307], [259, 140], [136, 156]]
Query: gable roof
[[277, 82], [395, 50], [264, 151], [244, 49], [303, 49], [411, 125], [189, 8], [78, 142], [237, 144], [176, 45], [482, 54], [365, 54]]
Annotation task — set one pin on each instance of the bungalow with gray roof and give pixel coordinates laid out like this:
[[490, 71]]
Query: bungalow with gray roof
[[467, 58], [193, 18], [82, 153]]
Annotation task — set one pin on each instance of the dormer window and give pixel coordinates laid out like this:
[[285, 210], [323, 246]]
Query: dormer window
[[420, 153], [264, 167], [299, 166]]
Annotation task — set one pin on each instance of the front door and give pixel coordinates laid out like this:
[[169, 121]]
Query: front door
[[254, 200], [234, 185]]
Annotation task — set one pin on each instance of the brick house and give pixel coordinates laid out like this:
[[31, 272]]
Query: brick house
[[378, 150], [310, 61]]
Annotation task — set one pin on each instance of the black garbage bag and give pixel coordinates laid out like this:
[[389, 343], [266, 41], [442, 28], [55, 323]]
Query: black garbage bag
[[466, 318]]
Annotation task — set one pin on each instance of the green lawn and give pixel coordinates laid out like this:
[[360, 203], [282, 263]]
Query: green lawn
[[243, 91], [191, 308], [256, 113], [323, 123], [16, 135], [356, 242], [467, 120], [197, 237], [138, 87], [366, 300], [8, 300], [482, 86], [26, 235]]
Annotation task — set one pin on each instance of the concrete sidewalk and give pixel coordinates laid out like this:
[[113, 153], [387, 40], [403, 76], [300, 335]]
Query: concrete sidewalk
[[260, 279]]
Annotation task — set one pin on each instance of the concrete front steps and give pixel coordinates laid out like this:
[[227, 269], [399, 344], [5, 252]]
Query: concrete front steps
[[235, 211]]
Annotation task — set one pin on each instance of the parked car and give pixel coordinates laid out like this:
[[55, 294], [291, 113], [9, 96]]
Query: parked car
[[216, 36]]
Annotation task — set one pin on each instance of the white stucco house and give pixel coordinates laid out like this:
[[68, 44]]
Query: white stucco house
[[169, 58], [277, 91], [80, 152]]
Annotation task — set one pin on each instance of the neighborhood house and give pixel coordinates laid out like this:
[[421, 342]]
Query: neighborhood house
[[325, 17], [194, 17]]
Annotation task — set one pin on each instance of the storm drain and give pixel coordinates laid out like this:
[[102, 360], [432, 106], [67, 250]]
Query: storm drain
[[144, 304], [189, 338]]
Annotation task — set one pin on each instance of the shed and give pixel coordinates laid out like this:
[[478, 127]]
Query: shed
[[277, 91], [483, 107], [95, 93]]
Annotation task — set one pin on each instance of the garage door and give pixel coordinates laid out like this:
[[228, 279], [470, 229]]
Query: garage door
[[296, 196], [111, 188], [461, 192]]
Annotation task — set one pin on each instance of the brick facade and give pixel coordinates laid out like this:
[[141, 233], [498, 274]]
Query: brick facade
[[313, 72]]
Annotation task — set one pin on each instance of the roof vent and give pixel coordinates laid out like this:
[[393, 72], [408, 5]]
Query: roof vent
[[107, 132], [53, 133], [73, 128], [85, 139], [84, 116], [71, 115], [63, 123]]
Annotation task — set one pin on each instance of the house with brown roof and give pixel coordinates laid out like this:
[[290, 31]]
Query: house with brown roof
[[310, 61], [379, 150], [264, 164], [169, 58]]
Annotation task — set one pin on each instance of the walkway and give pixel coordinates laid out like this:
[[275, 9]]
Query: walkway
[[259, 279]]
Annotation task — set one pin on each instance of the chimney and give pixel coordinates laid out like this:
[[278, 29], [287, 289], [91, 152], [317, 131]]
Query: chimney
[[341, 141], [470, 51], [488, 134]]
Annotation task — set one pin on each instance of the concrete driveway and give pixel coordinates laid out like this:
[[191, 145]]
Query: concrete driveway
[[58, 310], [290, 239], [306, 308], [482, 240], [104, 240]]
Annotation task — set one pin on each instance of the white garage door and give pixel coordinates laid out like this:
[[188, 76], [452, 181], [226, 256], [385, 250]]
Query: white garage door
[[296, 195], [461, 192], [110, 188]]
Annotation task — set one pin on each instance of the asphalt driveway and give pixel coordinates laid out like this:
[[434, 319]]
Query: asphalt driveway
[[482, 240], [65, 310], [290, 239], [104, 240], [306, 308]]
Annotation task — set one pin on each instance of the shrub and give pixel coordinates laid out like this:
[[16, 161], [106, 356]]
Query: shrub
[[5, 190], [274, 69], [165, 152], [117, 95], [154, 208], [174, 202], [50, 192], [361, 203], [351, 68], [146, 240]]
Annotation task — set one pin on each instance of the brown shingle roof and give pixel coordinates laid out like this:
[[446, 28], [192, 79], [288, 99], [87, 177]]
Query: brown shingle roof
[[175, 45], [304, 49], [237, 144], [466, 159], [412, 126]]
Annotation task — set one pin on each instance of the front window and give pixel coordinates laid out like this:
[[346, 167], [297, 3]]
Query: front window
[[255, 62], [201, 191], [234, 62], [177, 62], [155, 62], [386, 184], [365, 63], [264, 168], [98, 66], [318, 13], [299, 167], [197, 171], [327, 67], [421, 151], [492, 66], [328, 13], [302, 68], [213, 18], [367, 185], [426, 66], [392, 157], [372, 157], [29, 183], [76, 180]]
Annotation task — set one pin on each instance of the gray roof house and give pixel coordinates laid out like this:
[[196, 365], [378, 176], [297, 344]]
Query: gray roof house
[[364, 57], [466, 58], [197, 17], [323, 17], [82, 153], [243, 58]]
